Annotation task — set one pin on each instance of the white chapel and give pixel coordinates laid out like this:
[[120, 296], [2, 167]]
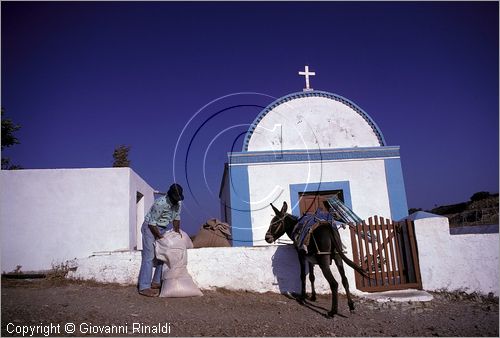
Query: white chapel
[[302, 148]]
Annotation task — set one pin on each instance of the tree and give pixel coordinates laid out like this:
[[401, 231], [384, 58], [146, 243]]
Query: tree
[[413, 210], [120, 156], [8, 140], [480, 195]]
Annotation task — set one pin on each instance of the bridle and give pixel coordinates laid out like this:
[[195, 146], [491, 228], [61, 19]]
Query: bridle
[[278, 228]]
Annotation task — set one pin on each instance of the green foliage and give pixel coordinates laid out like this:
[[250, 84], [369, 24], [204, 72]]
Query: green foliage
[[8, 140], [450, 209], [481, 195], [7, 166], [58, 271], [413, 210], [120, 156], [8, 130]]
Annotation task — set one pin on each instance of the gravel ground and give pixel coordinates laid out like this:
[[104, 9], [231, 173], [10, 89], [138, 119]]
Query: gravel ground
[[96, 308]]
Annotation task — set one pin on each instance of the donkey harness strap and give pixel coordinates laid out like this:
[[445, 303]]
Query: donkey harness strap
[[317, 248]]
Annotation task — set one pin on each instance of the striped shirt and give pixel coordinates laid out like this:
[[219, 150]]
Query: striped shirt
[[163, 212]]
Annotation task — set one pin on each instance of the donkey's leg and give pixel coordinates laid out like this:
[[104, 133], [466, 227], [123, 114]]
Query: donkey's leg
[[302, 261], [345, 283], [324, 264], [312, 279]]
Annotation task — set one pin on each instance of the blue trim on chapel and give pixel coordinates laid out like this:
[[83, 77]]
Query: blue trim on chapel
[[239, 192], [396, 188], [250, 157], [313, 93]]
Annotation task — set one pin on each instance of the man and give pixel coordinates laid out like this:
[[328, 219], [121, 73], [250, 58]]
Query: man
[[165, 210]]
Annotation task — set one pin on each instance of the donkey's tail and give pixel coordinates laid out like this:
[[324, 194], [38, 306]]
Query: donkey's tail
[[337, 243]]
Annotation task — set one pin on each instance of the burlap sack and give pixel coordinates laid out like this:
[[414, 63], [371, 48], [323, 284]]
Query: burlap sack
[[214, 233], [172, 250]]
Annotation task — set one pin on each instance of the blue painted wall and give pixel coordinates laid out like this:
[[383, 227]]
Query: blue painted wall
[[396, 188], [239, 193]]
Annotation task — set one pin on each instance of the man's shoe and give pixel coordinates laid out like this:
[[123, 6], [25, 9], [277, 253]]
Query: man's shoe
[[148, 293], [155, 286]]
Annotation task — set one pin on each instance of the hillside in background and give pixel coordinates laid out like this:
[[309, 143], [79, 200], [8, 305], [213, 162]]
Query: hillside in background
[[482, 208]]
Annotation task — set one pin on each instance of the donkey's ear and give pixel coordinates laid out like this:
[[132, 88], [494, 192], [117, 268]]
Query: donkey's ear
[[276, 211], [284, 208]]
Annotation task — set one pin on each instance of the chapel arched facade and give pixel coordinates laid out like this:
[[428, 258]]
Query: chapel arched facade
[[304, 143]]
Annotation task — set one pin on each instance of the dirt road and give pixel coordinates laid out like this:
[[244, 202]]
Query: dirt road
[[45, 306]]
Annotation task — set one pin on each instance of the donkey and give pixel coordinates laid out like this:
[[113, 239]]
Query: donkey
[[325, 245]]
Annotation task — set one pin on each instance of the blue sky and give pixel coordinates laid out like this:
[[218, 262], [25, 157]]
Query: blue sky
[[181, 82]]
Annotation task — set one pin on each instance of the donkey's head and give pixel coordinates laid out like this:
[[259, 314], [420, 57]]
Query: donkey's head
[[277, 226]]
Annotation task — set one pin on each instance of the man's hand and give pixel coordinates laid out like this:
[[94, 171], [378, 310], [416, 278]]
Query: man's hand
[[177, 226], [155, 231]]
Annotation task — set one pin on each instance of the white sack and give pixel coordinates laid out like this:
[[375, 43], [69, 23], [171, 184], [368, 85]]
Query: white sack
[[172, 250]]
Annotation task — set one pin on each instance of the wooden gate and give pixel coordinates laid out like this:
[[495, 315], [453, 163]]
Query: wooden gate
[[387, 251]]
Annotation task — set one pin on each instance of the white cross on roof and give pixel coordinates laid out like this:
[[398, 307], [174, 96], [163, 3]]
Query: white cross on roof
[[307, 73]]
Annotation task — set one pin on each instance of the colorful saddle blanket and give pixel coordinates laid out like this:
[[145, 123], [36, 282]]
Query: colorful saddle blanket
[[307, 223]]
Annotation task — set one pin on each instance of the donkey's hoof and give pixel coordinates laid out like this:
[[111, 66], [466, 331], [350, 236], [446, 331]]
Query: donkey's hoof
[[351, 307], [331, 314], [312, 298]]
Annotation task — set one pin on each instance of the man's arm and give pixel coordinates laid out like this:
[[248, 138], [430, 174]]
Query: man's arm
[[155, 231], [177, 225]]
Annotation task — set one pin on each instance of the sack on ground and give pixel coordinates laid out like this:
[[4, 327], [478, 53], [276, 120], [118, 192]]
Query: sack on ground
[[214, 233], [172, 250]]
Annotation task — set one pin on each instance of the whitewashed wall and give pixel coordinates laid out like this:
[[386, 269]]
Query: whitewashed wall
[[466, 263], [268, 182], [50, 216], [258, 269], [138, 208]]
